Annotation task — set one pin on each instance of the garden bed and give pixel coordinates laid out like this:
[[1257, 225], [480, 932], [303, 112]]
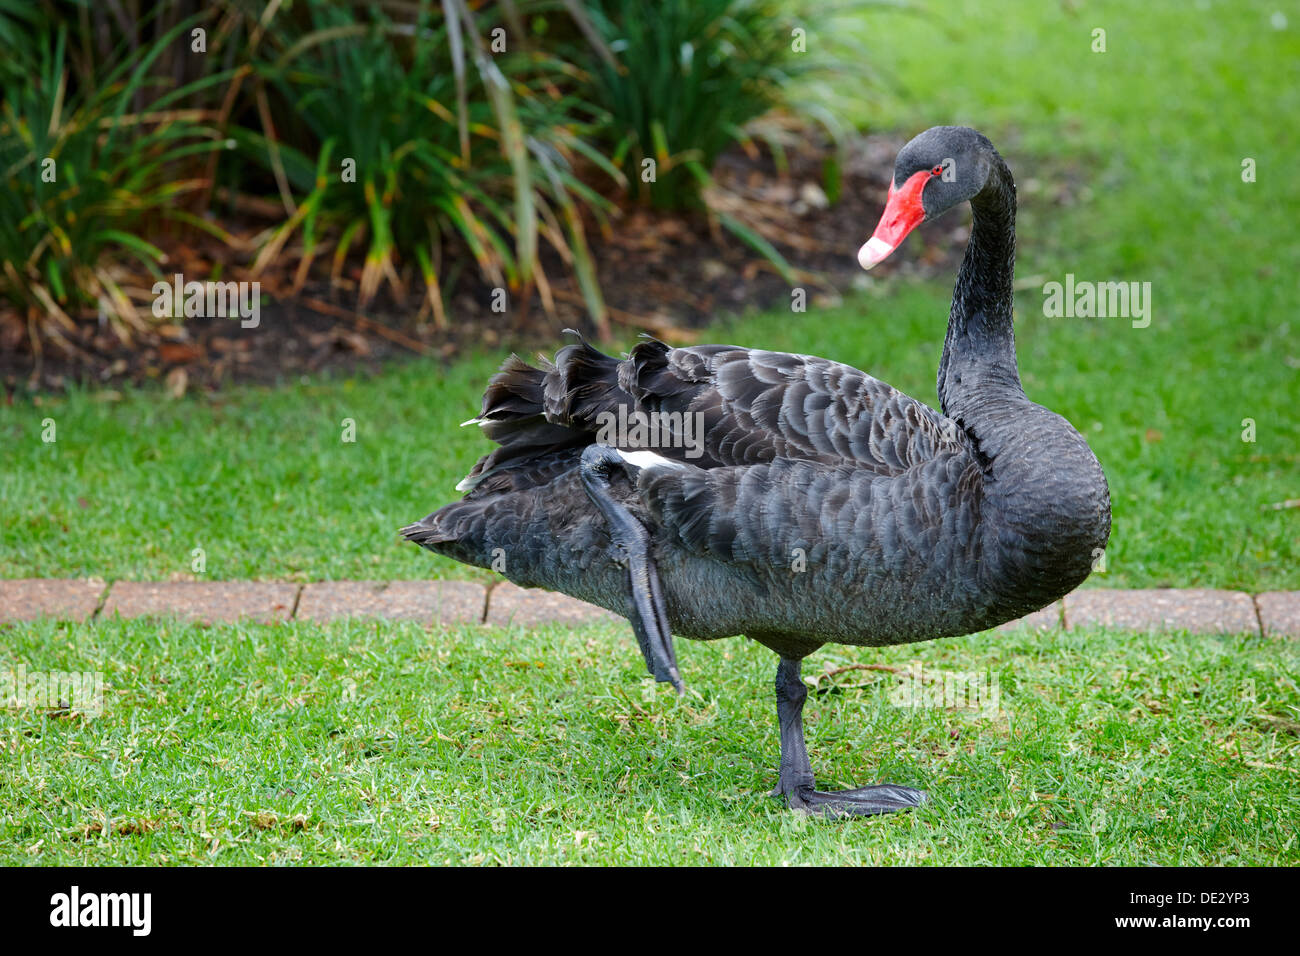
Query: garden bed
[[665, 273]]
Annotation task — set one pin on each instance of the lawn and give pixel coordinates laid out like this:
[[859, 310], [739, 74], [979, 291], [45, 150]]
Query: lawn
[[1149, 138], [385, 743]]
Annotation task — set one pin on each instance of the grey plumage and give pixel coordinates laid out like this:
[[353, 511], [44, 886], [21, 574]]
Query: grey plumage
[[824, 505]]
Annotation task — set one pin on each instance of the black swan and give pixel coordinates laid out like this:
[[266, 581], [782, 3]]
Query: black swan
[[792, 499]]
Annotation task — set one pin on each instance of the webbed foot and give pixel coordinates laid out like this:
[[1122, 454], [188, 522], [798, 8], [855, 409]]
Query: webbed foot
[[796, 781], [862, 802]]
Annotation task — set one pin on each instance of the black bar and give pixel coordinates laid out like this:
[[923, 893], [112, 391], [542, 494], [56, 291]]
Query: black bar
[[217, 905]]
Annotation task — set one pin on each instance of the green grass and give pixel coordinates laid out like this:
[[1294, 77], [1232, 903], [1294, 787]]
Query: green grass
[[260, 479], [262, 482], [1150, 136], [385, 743]]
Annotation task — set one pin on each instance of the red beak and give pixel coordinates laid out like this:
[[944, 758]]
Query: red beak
[[902, 214]]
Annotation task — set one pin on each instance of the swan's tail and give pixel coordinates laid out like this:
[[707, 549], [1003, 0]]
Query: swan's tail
[[541, 419], [510, 526], [532, 412]]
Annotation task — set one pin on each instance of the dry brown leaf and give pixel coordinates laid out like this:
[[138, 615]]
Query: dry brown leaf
[[178, 353], [177, 381]]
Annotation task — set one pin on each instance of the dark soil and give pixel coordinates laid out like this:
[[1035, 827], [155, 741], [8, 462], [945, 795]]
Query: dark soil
[[668, 274]]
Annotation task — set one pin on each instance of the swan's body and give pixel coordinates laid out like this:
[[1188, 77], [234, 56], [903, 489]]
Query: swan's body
[[813, 503]]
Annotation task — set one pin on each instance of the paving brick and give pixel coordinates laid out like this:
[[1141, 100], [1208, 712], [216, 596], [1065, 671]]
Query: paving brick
[[1196, 610], [1046, 619], [1279, 611], [206, 601], [526, 606], [448, 602], [29, 598]]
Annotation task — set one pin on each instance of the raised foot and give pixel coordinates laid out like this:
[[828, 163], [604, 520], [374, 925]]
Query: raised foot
[[862, 802], [630, 549]]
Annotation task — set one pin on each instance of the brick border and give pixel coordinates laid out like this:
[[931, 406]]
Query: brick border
[[27, 599], [447, 602], [1274, 614], [205, 601], [510, 604], [1279, 613], [1196, 610]]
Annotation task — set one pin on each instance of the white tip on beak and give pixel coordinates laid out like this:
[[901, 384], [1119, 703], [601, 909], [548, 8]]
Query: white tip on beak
[[873, 251]]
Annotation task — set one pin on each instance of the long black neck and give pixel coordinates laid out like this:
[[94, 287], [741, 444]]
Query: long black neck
[[978, 377], [1045, 507]]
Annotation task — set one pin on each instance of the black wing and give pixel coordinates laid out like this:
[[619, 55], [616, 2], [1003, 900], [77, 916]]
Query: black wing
[[714, 405]]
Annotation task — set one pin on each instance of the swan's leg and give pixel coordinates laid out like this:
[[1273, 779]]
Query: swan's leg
[[630, 544], [796, 783]]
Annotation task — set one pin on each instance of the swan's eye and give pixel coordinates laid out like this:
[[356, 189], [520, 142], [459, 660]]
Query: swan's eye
[[937, 171]]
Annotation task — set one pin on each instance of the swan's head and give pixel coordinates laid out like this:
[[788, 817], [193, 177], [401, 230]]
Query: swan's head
[[940, 168]]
